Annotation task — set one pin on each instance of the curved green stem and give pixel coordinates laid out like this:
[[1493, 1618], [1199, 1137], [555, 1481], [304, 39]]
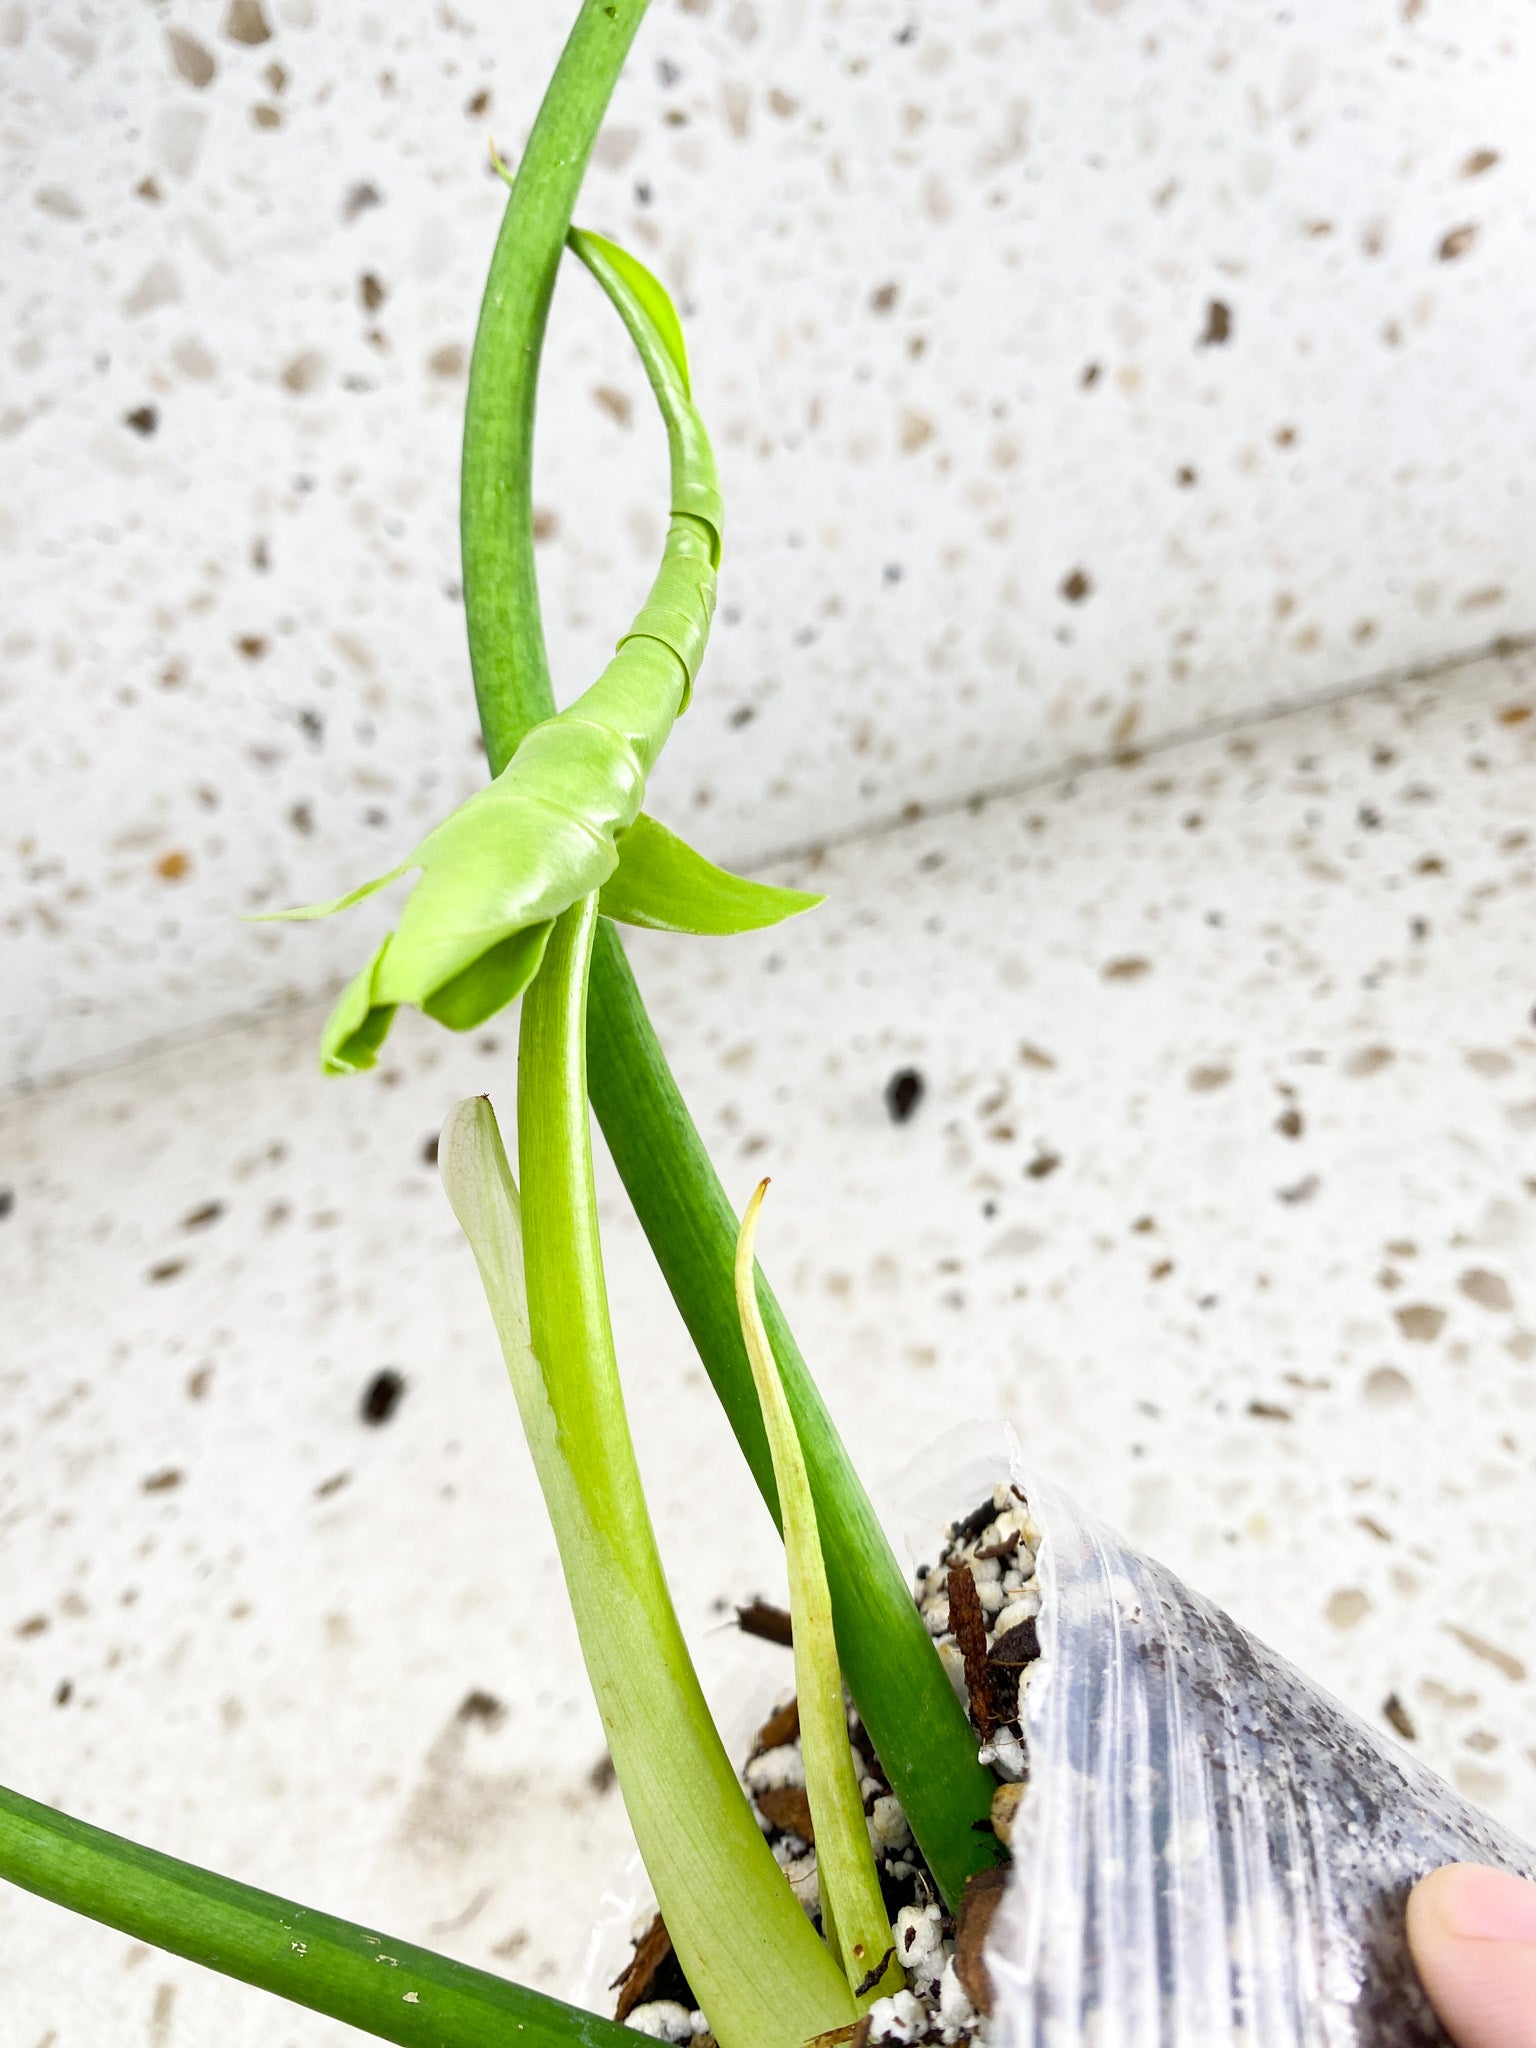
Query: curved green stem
[[501, 592], [389, 1988]]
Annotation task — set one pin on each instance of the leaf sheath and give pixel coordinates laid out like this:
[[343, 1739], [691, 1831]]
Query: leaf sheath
[[753, 1959]]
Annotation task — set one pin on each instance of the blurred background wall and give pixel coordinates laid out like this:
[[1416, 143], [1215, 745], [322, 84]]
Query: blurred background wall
[[1081, 373]]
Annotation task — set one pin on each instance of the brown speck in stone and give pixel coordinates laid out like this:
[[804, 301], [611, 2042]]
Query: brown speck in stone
[[479, 1705], [34, 1625], [1373, 1528], [332, 1485], [1479, 161], [1161, 1270], [1514, 714], [915, 430], [264, 116], [1204, 1079], [1185, 477], [603, 1776], [1043, 1165], [1131, 968], [359, 199], [144, 419], [171, 867], [1300, 1191], [1090, 376], [1144, 1225], [883, 298], [1032, 1056], [1501, 1660], [1370, 1059], [787, 1806], [546, 524], [1457, 242], [1285, 437], [1348, 1607], [371, 292], [1218, 325], [1076, 585], [204, 1214], [1419, 1322], [199, 1382], [148, 188], [245, 22], [781, 1726], [450, 360], [903, 1093], [429, 1150], [301, 817], [304, 372], [615, 403], [769, 1623], [970, 1632], [1488, 1290], [167, 1269], [973, 1923], [782, 103], [1386, 1387], [381, 1396], [193, 60], [166, 1481], [1397, 1717], [63, 1692], [1270, 1411], [479, 103], [1289, 1123], [742, 715], [252, 645]]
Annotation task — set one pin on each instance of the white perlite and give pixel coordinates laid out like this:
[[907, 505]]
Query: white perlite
[[664, 2019]]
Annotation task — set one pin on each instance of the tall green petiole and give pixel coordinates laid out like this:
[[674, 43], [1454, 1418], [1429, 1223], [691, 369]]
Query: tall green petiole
[[390, 1989], [753, 1959], [858, 1928], [918, 1726]]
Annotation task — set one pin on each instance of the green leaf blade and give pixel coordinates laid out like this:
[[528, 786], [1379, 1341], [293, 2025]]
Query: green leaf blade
[[663, 884]]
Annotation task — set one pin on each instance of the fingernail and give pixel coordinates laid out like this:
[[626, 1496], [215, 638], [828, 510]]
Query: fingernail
[[1489, 1905]]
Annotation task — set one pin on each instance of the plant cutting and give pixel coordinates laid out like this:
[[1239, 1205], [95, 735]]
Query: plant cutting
[[842, 1886], [517, 895]]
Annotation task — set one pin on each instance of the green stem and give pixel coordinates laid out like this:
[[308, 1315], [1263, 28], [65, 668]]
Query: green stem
[[388, 1988], [892, 1668], [906, 1701], [501, 592], [756, 1965]]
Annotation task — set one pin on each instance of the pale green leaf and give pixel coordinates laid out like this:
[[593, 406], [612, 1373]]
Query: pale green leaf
[[853, 1906], [662, 883]]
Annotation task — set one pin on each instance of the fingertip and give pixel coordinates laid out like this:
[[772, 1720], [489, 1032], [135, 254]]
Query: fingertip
[[1472, 1936]]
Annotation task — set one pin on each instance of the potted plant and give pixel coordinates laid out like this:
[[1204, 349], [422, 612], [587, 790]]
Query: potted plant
[[1211, 1849], [518, 896]]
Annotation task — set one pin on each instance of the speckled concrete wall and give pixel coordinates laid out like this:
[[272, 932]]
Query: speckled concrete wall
[[1081, 372], [1221, 1186]]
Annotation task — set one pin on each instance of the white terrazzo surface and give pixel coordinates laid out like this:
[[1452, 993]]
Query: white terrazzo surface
[[1223, 1188], [1080, 372]]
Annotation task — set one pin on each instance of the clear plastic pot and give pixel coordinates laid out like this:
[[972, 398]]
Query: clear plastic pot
[[1212, 1851]]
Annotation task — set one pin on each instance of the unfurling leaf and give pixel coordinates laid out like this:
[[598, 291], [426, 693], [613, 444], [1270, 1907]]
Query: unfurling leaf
[[661, 882], [852, 1906], [501, 868]]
